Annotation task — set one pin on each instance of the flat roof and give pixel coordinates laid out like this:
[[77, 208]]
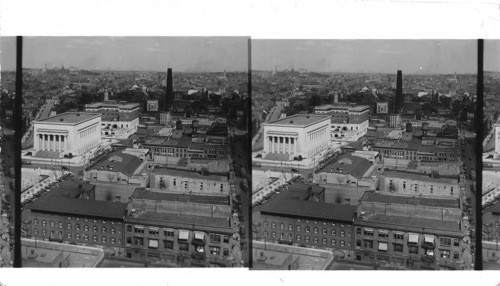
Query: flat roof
[[419, 177], [118, 161], [143, 194], [300, 120], [72, 118], [348, 164], [309, 209], [189, 174], [76, 207], [371, 196], [419, 225], [190, 222]]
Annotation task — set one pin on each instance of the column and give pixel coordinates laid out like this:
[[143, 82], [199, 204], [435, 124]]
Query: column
[[45, 140], [67, 142], [275, 143], [40, 142], [282, 143]]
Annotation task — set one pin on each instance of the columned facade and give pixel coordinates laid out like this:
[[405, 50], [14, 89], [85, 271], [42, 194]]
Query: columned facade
[[282, 144], [75, 133], [52, 142]]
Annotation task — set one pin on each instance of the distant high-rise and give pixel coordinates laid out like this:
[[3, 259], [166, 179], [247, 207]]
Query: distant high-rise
[[399, 92], [170, 91]]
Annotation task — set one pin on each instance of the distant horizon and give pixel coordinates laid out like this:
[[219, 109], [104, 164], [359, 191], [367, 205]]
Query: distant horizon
[[182, 54], [375, 56], [375, 72]]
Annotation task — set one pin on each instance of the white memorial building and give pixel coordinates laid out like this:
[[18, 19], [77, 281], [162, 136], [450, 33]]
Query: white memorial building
[[302, 134], [71, 132]]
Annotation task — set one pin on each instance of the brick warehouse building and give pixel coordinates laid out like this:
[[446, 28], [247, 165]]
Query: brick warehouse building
[[181, 229], [414, 232], [298, 217], [69, 214], [187, 239]]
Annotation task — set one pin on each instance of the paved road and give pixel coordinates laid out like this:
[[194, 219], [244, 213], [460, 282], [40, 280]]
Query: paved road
[[43, 113], [274, 114]]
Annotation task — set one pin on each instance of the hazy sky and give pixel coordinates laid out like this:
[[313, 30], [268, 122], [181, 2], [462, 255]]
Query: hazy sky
[[131, 53], [411, 56]]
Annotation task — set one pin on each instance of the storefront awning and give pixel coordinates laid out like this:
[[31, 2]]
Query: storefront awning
[[367, 229], [139, 226], [183, 235], [398, 232], [413, 238], [383, 231], [429, 238], [382, 246], [153, 243], [153, 228], [199, 235], [169, 229]]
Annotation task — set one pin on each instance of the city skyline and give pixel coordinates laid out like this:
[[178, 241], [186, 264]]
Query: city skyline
[[146, 54], [374, 56]]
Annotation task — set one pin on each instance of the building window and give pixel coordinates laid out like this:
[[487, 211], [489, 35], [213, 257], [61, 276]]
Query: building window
[[368, 244], [103, 239], [183, 246], [214, 250], [445, 241], [308, 229], [69, 235], [113, 231], [60, 224], [282, 226], [398, 235], [86, 237], [273, 225], [298, 228], [298, 237], [325, 231], [169, 233], [413, 249], [444, 253], [383, 233], [153, 231], [129, 228], [94, 238], [315, 240], [86, 228], [290, 227], [342, 243], [225, 239], [273, 234], [168, 244], [138, 241], [69, 225], [52, 224], [51, 233], [265, 233], [215, 238], [112, 240], [316, 230], [95, 228], [342, 233], [456, 242], [358, 231], [456, 255], [368, 232], [308, 238], [77, 236], [398, 247], [358, 243], [138, 229], [324, 241]]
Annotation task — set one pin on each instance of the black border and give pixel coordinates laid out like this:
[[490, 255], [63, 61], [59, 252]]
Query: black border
[[478, 121]]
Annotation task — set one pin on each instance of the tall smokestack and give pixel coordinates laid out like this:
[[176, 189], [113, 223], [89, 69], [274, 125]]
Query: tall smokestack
[[336, 97], [399, 91], [170, 92], [106, 95]]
